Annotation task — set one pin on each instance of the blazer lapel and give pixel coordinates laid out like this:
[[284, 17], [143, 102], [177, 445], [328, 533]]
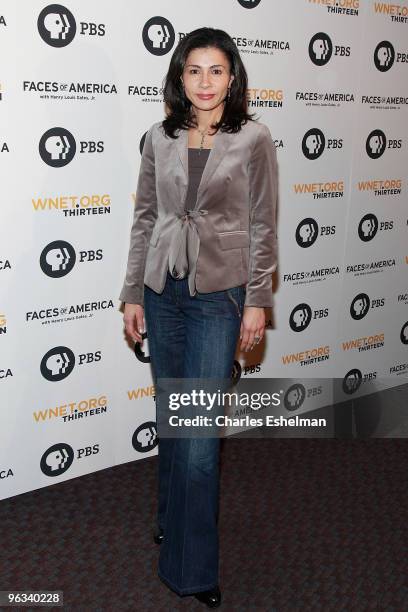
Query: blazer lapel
[[182, 149], [221, 143]]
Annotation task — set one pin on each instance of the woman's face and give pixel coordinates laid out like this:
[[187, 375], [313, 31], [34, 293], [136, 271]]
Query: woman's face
[[206, 77]]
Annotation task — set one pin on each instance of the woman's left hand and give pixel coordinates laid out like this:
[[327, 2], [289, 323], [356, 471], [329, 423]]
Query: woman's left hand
[[252, 327]]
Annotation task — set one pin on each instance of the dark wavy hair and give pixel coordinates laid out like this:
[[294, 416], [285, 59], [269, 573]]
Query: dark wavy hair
[[178, 111]]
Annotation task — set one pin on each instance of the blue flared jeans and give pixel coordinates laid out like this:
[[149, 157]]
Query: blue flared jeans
[[190, 337]]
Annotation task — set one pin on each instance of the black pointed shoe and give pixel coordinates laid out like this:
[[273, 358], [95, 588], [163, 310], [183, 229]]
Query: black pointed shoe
[[211, 598], [158, 535]]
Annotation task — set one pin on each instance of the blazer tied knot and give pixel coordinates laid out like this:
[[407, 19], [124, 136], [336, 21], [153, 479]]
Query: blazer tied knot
[[184, 247]]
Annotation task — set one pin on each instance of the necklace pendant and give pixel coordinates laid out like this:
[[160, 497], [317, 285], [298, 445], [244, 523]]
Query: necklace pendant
[[201, 145]]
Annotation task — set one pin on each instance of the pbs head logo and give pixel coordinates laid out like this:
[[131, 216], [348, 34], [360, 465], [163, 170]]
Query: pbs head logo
[[320, 49], [158, 35], [313, 143], [57, 147], [145, 437], [307, 232], [300, 317], [294, 397], [57, 363], [56, 25], [368, 227], [57, 459], [57, 259], [360, 306], [375, 144], [352, 381], [384, 56]]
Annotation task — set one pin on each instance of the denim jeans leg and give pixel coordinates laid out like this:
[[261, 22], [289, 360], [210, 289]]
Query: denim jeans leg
[[165, 333], [189, 554]]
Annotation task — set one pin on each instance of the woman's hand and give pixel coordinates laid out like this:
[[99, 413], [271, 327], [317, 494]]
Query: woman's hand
[[252, 326], [133, 318]]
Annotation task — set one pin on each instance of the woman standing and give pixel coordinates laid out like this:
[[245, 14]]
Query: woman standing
[[203, 248]]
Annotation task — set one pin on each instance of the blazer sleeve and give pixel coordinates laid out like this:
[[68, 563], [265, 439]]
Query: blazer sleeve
[[144, 217], [263, 179]]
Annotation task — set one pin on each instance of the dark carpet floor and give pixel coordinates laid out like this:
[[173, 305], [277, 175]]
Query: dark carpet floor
[[305, 525]]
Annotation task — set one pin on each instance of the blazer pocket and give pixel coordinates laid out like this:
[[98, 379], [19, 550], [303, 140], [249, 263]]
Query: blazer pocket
[[233, 240]]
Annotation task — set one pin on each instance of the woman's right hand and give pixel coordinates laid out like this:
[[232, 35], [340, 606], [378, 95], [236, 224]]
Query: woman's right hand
[[133, 318]]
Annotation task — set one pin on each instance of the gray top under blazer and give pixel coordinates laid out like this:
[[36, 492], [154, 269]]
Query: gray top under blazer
[[185, 243], [234, 214]]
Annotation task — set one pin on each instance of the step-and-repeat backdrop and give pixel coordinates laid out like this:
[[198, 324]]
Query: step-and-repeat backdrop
[[80, 84]]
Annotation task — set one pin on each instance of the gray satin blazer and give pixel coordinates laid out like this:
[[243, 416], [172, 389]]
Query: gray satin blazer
[[237, 234]]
